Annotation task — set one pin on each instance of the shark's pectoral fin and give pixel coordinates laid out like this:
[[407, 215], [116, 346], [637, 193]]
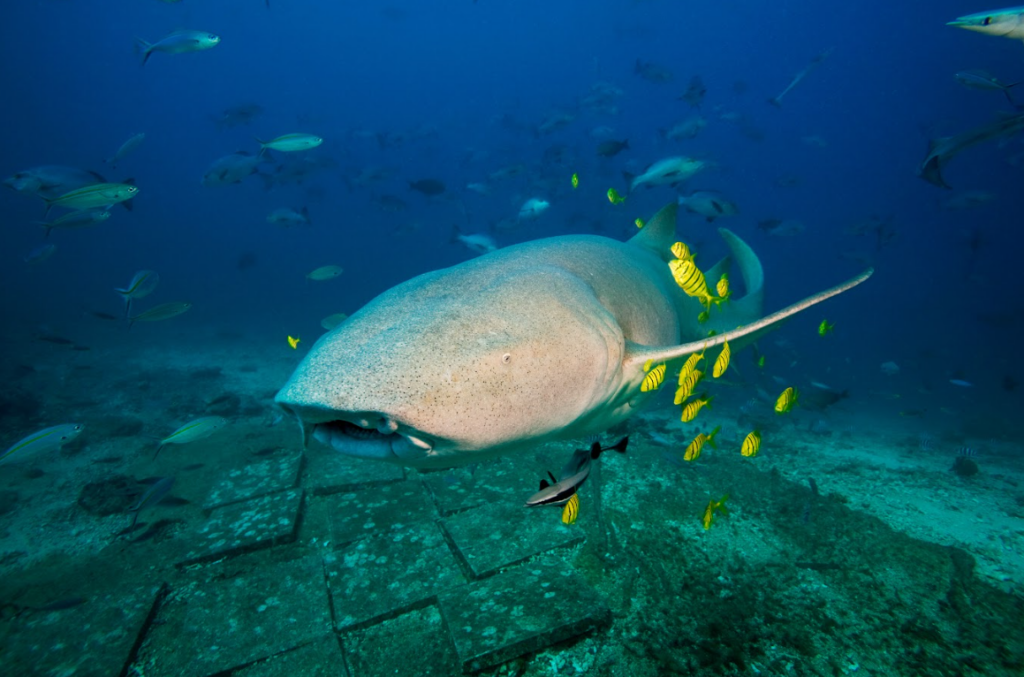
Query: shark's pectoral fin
[[638, 355], [752, 272]]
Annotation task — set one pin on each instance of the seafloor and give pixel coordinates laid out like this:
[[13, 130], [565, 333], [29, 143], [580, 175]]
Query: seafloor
[[850, 548]]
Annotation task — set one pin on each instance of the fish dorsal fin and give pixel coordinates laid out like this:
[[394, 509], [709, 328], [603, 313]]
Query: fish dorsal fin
[[637, 355], [544, 485], [659, 232], [553, 480]]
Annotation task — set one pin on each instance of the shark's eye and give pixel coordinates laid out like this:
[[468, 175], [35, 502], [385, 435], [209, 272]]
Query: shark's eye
[[987, 21], [506, 358]]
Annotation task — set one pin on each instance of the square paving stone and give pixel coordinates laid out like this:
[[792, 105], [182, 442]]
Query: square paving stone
[[505, 532], [93, 638], [255, 480], [321, 658], [520, 611], [415, 643], [461, 489], [243, 527], [380, 577], [220, 625], [363, 512], [329, 472]]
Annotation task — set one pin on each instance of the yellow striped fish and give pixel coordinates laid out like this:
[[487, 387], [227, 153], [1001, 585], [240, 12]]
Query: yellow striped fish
[[713, 507], [689, 278], [686, 389], [654, 378], [722, 363], [751, 444], [786, 400], [571, 510], [691, 410], [690, 365], [723, 288], [682, 252], [692, 452]]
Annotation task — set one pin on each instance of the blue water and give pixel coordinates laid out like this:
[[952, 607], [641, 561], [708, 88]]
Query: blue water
[[75, 91], [467, 83]]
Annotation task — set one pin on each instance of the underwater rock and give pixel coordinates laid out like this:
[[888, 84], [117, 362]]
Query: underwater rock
[[8, 501], [109, 496], [21, 405], [225, 404], [106, 427], [964, 466]]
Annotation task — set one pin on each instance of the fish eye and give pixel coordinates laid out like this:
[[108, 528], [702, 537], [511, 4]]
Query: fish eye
[[506, 358], [987, 21]]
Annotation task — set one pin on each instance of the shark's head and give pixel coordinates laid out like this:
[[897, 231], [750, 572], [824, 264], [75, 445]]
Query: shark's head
[[1003, 22], [442, 371]]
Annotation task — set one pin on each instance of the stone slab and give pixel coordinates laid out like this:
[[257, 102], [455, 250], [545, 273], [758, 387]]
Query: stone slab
[[255, 480], [329, 472], [415, 643], [243, 527], [363, 512], [504, 533], [93, 638], [381, 577], [320, 658], [221, 625], [520, 611], [461, 489]]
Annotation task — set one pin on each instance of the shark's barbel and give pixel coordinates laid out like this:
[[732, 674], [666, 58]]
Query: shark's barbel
[[541, 341]]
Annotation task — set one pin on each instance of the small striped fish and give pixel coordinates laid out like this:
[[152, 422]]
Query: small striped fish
[[654, 378], [692, 452], [691, 410], [685, 390], [690, 365], [571, 510], [967, 452], [682, 252], [751, 444], [786, 400], [722, 363], [689, 278], [723, 288]]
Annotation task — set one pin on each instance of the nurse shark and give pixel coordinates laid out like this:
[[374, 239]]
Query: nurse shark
[[542, 341]]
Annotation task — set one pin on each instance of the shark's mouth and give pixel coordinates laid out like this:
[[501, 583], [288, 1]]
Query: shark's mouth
[[385, 441]]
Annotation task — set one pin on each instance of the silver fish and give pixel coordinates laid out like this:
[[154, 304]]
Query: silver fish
[[46, 439], [194, 430], [944, 149]]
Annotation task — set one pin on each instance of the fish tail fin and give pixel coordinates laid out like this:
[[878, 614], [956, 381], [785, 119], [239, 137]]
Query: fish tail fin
[[620, 446], [305, 212], [711, 437], [143, 47], [628, 176]]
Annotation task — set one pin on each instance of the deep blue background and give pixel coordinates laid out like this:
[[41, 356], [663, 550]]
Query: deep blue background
[[73, 90]]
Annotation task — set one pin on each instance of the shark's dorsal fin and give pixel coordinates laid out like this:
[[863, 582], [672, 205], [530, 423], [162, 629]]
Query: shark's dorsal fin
[[637, 355], [659, 232]]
